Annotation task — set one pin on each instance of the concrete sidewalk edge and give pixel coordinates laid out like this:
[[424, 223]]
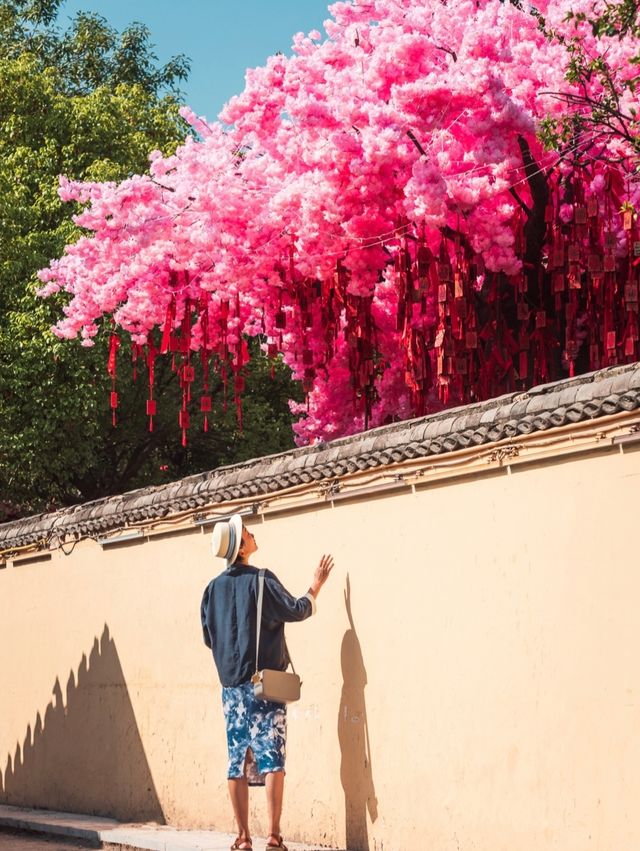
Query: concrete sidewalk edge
[[115, 834], [55, 823]]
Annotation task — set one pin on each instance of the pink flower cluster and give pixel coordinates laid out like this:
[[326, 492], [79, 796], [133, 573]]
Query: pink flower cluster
[[404, 119]]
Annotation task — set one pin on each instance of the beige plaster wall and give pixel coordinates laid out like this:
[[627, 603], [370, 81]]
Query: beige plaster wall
[[471, 678]]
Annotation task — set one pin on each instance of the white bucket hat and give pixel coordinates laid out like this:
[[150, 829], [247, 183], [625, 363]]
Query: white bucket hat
[[226, 538]]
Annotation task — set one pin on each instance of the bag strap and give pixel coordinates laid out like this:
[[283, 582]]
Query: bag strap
[[259, 613], [261, 574]]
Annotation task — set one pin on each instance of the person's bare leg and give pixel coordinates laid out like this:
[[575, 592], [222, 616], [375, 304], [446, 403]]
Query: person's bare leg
[[275, 792], [239, 794]]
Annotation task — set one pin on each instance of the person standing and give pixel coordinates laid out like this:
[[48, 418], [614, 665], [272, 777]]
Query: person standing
[[256, 729]]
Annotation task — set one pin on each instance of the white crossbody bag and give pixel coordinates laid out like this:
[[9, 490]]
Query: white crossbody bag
[[279, 686]]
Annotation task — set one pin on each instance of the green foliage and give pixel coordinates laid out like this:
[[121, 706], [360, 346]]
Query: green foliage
[[617, 20], [606, 114], [90, 53], [90, 104]]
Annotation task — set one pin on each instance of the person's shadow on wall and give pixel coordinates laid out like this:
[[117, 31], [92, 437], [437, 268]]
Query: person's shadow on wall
[[356, 773]]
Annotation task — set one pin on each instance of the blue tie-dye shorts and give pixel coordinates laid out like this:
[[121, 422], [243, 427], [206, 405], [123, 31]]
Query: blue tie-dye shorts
[[256, 734]]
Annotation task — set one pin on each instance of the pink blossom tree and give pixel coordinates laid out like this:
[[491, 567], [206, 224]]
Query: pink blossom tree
[[380, 209]]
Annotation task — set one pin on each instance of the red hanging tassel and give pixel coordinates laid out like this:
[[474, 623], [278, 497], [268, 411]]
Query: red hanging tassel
[[112, 366], [165, 345], [151, 368], [184, 422], [205, 399]]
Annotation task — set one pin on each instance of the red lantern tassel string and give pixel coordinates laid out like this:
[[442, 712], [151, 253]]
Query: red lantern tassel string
[[167, 331], [631, 294], [187, 375], [457, 313], [411, 272], [152, 353], [184, 423], [112, 367], [470, 329], [205, 399], [329, 316], [187, 372], [425, 275], [242, 357], [272, 354], [307, 294], [223, 352], [365, 352]]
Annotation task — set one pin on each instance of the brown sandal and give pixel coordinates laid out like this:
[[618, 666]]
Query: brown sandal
[[279, 847], [241, 844]]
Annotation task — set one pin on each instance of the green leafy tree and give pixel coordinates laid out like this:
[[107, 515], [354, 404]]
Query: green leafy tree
[[614, 112], [88, 103]]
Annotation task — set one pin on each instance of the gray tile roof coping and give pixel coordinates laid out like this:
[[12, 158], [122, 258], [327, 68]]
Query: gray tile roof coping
[[608, 391], [488, 416]]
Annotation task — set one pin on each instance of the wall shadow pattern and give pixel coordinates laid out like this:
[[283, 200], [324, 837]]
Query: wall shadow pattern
[[356, 772], [86, 754]]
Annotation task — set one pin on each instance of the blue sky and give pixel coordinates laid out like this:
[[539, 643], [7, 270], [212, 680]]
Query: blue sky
[[222, 38]]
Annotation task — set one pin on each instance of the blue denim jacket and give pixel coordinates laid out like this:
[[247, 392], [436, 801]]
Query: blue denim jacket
[[228, 614]]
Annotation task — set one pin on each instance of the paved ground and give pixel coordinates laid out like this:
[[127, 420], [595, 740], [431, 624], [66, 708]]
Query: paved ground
[[16, 840], [70, 828]]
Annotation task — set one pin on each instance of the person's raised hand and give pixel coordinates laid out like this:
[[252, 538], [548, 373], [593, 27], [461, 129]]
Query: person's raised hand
[[322, 574]]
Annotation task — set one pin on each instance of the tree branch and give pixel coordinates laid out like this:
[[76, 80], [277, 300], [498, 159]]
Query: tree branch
[[519, 200], [413, 138], [535, 226]]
